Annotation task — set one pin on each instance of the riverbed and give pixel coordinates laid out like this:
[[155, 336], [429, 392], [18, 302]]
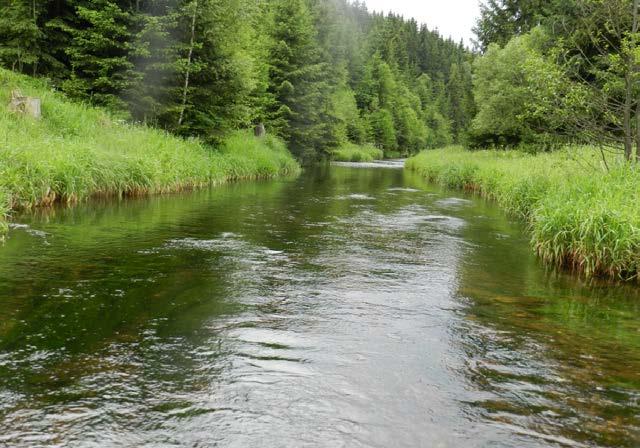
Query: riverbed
[[354, 306]]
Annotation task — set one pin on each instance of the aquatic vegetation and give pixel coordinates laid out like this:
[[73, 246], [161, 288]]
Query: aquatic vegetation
[[351, 152], [581, 216], [76, 151]]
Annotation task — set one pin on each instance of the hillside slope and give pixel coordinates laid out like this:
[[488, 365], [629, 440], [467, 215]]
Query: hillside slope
[[75, 151]]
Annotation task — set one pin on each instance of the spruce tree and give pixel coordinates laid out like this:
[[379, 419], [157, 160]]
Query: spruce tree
[[297, 82], [20, 35], [99, 53], [460, 96], [225, 69]]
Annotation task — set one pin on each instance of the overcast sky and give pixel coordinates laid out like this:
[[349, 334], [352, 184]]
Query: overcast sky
[[453, 18]]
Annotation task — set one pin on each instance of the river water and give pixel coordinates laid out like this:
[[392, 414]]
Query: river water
[[355, 306]]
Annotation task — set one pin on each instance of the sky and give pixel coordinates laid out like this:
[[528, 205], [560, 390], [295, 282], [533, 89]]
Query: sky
[[454, 18]]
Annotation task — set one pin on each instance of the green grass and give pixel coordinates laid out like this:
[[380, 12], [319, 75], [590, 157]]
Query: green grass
[[581, 216], [351, 152], [75, 152]]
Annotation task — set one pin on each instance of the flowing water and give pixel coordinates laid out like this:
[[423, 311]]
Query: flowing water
[[355, 306]]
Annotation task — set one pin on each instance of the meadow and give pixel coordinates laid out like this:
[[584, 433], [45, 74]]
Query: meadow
[[582, 215], [76, 151]]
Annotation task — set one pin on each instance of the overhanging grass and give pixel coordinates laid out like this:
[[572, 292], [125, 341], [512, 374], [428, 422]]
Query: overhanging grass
[[75, 152], [581, 216], [351, 152]]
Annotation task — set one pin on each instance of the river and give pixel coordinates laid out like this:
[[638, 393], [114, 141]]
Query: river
[[354, 306]]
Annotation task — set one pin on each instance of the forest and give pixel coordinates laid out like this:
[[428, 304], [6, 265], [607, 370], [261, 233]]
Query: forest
[[322, 75], [328, 75], [286, 223]]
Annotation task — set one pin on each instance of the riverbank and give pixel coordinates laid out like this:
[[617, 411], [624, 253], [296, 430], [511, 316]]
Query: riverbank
[[581, 217], [351, 152], [75, 152]]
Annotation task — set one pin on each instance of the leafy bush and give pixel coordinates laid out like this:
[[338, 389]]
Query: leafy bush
[[519, 93]]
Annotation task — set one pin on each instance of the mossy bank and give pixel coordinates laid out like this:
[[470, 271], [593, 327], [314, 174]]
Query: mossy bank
[[75, 151], [581, 215]]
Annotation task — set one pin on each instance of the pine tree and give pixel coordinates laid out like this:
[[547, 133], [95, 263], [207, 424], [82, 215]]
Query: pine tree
[[154, 58], [20, 35], [225, 74], [99, 53], [461, 103], [296, 80]]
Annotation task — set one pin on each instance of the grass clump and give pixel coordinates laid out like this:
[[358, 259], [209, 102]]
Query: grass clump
[[351, 152], [581, 216], [76, 151]]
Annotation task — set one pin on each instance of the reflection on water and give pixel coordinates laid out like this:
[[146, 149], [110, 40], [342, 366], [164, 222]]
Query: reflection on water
[[354, 306]]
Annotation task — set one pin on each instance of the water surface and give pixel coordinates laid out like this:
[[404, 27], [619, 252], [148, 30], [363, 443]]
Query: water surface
[[354, 306]]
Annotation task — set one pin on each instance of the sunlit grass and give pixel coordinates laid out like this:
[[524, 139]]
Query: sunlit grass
[[76, 151], [581, 216], [350, 152]]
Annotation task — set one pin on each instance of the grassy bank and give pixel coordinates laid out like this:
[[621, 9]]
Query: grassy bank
[[75, 152], [357, 153], [581, 216]]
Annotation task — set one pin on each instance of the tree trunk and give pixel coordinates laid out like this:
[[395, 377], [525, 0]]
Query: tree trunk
[[628, 93], [35, 23], [185, 89], [626, 123], [634, 30], [638, 132]]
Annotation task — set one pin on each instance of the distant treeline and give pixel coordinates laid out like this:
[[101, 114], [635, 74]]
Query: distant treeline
[[319, 73]]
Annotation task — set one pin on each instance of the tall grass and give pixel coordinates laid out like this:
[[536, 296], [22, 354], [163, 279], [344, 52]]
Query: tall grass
[[76, 151], [581, 216], [351, 152]]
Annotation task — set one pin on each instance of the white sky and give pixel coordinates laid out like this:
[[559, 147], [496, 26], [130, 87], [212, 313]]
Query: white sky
[[453, 18]]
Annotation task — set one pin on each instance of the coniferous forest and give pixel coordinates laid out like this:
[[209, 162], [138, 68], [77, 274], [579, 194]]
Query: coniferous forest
[[320, 74]]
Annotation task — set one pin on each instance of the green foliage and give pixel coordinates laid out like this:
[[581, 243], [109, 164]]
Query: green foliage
[[225, 72], [581, 216], [411, 130], [501, 20], [574, 77], [431, 96], [384, 131], [357, 153], [20, 35], [76, 151], [349, 125], [99, 53], [296, 79], [461, 101], [519, 93]]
